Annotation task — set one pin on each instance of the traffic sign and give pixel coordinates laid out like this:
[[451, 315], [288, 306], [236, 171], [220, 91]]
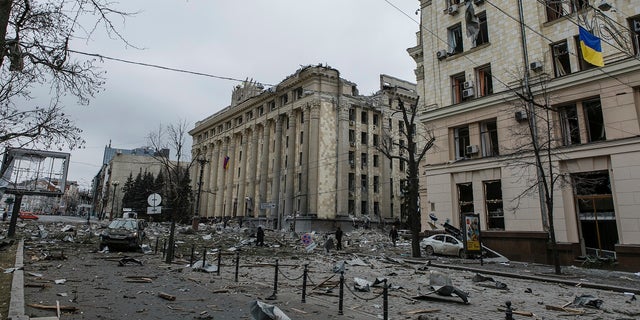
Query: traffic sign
[[154, 199], [154, 210]]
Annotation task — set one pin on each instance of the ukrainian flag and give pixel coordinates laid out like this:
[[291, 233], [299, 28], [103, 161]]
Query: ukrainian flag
[[591, 48], [225, 165]]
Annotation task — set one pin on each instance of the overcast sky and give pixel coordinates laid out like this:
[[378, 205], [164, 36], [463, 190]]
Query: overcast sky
[[261, 40]]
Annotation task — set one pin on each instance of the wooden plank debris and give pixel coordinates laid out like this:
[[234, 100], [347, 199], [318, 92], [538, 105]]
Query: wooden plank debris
[[166, 296]]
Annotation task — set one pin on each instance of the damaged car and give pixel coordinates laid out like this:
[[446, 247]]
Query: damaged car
[[443, 244], [125, 233]]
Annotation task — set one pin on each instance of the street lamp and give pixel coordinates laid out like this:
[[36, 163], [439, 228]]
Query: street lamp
[[113, 200]]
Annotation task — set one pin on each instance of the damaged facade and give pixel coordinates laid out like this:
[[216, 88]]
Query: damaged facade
[[470, 63], [302, 153]]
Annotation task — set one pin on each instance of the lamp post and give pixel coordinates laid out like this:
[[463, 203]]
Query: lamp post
[[196, 213], [113, 200]]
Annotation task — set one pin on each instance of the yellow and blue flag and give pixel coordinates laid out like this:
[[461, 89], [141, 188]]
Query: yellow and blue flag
[[225, 164], [591, 48]]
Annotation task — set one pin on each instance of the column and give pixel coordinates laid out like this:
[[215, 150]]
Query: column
[[264, 167], [291, 163], [305, 164], [253, 168], [277, 173], [220, 180], [229, 177], [314, 161], [214, 164], [242, 203]]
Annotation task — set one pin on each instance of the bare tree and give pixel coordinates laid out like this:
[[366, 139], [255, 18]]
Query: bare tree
[[410, 149], [177, 193], [35, 50]]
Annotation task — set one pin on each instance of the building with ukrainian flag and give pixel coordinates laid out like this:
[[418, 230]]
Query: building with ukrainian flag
[[568, 78], [303, 153]]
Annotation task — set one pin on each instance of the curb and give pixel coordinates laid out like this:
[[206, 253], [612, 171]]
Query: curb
[[16, 304], [541, 278]]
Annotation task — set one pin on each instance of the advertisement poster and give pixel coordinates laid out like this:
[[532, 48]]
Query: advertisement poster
[[472, 233]]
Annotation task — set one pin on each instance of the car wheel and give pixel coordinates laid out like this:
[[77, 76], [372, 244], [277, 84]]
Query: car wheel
[[462, 254], [428, 250]]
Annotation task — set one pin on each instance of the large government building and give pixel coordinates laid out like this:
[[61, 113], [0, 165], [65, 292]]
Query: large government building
[[484, 79], [302, 154]]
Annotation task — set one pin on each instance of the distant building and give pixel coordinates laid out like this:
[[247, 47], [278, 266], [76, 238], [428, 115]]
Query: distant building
[[471, 59], [302, 153]]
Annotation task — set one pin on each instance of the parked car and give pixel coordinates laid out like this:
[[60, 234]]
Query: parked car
[[123, 233], [443, 244], [25, 215], [405, 234]]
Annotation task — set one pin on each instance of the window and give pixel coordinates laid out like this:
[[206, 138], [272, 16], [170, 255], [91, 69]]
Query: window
[[301, 116], [584, 65], [284, 99], [554, 10], [271, 105], [401, 126], [594, 120], [493, 204], [461, 141], [352, 159], [352, 137], [375, 160], [569, 125], [352, 207], [596, 211], [297, 93], [634, 26], [489, 138], [352, 182], [364, 183], [363, 208], [457, 86], [375, 119], [485, 81], [483, 34], [465, 198], [561, 64], [376, 208], [299, 158], [364, 117], [376, 140], [249, 115], [364, 138], [352, 114], [260, 110], [455, 39], [301, 137], [376, 184], [401, 164], [363, 160]]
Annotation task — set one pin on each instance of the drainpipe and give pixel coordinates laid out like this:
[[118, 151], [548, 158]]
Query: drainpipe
[[530, 110]]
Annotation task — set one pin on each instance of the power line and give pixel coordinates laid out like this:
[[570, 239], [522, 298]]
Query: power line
[[100, 56]]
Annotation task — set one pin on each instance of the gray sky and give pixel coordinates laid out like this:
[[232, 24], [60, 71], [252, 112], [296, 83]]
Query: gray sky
[[261, 40]]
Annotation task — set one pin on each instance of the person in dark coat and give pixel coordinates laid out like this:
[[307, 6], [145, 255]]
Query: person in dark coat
[[393, 234], [338, 239], [260, 237]]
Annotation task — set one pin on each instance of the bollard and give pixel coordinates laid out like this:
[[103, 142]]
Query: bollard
[[341, 295], [193, 249], [237, 264], [156, 247], [164, 247], [304, 283], [275, 280], [204, 256], [509, 312], [385, 300], [219, 259]]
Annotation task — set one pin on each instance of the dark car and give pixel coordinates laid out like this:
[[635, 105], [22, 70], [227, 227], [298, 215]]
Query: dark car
[[124, 233]]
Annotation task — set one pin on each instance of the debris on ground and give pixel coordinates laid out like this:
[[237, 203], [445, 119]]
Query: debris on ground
[[264, 311]]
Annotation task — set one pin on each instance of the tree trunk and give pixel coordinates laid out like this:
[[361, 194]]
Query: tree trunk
[[171, 244], [5, 12]]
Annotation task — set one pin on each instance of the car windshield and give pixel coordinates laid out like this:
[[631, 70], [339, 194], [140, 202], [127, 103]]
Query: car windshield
[[123, 224]]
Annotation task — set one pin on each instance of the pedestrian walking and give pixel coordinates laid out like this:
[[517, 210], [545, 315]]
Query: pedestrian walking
[[260, 237], [338, 238], [393, 234]]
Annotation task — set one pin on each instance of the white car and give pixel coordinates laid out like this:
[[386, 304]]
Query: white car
[[443, 244]]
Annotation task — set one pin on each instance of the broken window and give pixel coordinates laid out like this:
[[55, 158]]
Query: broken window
[[352, 183], [583, 64], [352, 207], [493, 204], [352, 136], [556, 8], [363, 160], [297, 93], [465, 198], [457, 86], [375, 160], [376, 184], [352, 159], [271, 105], [455, 39], [460, 141], [594, 120], [363, 208], [364, 182], [364, 117], [352, 114], [376, 208], [569, 125], [483, 35], [634, 26], [489, 138], [376, 140], [596, 211], [561, 63], [284, 99], [376, 119], [364, 138]]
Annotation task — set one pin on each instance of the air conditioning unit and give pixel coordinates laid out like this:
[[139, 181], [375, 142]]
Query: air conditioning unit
[[471, 149], [521, 115], [441, 54], [375, 127], [535, 66], [352, 143], [351, 122], [467, 93], [467, 84], [452, 9]]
